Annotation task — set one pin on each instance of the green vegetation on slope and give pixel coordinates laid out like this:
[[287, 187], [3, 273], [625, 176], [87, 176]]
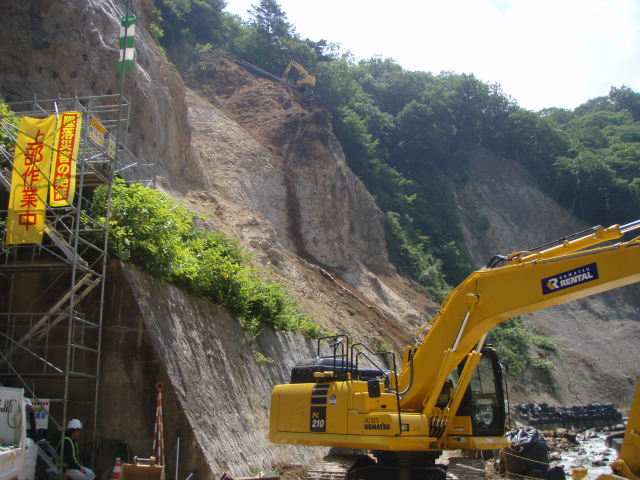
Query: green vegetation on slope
[[10, 123], [514, 342], [599, 178], [158, 235]]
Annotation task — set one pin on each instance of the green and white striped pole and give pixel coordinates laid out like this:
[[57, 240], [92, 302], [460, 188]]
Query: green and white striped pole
[[127, 39]]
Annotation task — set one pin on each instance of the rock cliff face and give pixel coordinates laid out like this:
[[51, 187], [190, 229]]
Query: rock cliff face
[[264, 163]]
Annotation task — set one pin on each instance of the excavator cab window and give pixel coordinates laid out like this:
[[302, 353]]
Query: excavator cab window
[[484, 399]]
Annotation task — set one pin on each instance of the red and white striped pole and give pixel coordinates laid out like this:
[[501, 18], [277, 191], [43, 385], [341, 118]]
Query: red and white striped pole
[[158, 433]]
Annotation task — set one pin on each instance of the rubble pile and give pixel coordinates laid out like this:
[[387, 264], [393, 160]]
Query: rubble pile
[[572, 449], [554, 454], [545, 417]]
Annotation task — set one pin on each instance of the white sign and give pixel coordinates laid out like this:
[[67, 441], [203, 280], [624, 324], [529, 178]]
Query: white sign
[[41, 407]]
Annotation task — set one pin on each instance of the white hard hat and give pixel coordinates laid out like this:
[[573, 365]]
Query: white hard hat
[[74, 424]]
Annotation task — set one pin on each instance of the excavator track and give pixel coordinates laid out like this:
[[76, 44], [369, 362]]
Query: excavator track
[[338, 467]]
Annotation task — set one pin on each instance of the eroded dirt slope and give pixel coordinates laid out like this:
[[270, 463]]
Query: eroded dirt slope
[[276, 177]]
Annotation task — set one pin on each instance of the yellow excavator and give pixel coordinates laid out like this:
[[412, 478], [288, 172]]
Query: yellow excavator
[[304, 79], [449, 393]]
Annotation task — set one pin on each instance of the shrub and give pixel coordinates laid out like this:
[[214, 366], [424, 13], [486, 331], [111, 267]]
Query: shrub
[[513, 341], [160, 236]]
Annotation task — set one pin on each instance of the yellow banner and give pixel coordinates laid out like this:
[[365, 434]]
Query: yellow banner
[[65, 153], [29, 181]]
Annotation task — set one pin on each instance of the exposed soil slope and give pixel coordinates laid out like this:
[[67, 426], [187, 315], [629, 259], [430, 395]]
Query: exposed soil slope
[[276, 178]]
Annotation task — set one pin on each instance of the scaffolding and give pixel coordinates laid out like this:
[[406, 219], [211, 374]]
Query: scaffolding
[[52, 348]]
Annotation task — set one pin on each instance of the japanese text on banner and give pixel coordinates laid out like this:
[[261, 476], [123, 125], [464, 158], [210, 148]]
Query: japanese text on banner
[[29, 180], [63, 168]]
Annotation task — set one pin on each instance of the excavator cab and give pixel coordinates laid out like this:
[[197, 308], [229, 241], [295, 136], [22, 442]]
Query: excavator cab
[[483, 405], [484, 400], [304, 81]]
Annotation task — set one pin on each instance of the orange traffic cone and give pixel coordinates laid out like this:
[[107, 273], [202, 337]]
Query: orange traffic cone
[[117, 470]]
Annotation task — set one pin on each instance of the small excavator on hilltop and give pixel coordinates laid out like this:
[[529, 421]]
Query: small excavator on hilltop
[[449, 393], [304, 81]]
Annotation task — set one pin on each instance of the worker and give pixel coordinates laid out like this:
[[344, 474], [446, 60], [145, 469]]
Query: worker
[[72, 467]]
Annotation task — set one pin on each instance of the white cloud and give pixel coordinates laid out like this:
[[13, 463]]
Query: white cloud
[[543, 52]]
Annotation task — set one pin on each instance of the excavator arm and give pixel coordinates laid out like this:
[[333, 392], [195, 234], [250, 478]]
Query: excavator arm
[[627, 465]]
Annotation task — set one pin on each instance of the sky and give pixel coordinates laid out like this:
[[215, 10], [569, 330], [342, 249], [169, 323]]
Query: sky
[[544, 53]]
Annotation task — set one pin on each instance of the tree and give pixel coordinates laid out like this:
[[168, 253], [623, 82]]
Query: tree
[[593, 182], [269, 18], [271, 30], [186, 23], [424, 136], [9, 125], [468, 98], [625, 98]]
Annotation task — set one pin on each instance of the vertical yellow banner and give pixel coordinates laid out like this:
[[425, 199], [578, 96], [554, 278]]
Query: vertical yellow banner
[[29, 181], [65, 153]]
